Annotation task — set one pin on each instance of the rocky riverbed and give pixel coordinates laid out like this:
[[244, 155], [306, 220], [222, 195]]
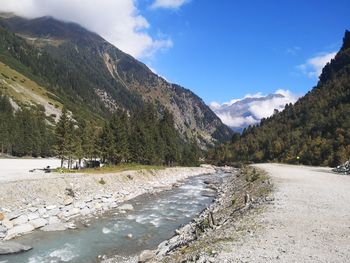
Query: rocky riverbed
[[241, 193], [60, 202]]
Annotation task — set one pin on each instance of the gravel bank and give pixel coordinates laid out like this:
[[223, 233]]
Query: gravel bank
[[54, 202]]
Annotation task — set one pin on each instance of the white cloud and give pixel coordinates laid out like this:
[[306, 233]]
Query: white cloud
[[265, 108], [243, 112], [237, 121], [118, 21], [169, 4], [313, 66]]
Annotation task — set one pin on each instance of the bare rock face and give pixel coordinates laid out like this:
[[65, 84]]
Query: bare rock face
[[12, 248]]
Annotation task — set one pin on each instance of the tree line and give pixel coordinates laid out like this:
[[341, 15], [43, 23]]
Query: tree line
[[141, 137]]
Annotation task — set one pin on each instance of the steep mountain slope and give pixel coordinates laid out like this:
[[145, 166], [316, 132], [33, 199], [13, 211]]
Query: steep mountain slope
[[83, 69], [315, 130], [239, 114]]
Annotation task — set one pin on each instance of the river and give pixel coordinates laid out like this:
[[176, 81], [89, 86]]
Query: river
[[154, 219]]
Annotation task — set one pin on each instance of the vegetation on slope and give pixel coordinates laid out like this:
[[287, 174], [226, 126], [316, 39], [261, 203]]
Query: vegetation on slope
[[314, 131]]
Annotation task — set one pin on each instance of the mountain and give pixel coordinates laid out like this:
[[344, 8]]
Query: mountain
[[313, 131], [92, 78], [240, 113]]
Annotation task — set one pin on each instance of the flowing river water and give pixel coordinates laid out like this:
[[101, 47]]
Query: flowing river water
[[154, 219]]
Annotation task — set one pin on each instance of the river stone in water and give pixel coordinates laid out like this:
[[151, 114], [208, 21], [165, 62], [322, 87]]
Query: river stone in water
[[10, 247]]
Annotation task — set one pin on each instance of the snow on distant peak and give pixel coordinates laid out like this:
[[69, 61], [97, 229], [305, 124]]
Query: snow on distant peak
[[240, 113]]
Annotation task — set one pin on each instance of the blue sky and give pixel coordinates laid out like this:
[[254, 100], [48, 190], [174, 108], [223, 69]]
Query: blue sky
[[221, 49], [226, 49]]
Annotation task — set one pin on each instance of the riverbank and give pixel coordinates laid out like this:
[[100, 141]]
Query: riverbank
[[58, 201]]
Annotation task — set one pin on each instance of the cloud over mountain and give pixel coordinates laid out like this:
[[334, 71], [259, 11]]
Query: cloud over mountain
[[240, 113], [118, 21]]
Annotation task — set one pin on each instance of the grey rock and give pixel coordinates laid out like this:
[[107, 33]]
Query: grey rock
[[32, 216], [50, 207], [7, 223], [18, 230], [42, 211], [22, 219], [10, 247], [38, 222], [54, 227], [85, 211], [54, 220], [13, 215], [53, 212]]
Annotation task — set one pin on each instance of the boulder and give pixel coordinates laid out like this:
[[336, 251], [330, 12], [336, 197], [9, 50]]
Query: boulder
[[22, 219], [18, 230], [10, 247], [38, 222], [54, 227], [146, 256]]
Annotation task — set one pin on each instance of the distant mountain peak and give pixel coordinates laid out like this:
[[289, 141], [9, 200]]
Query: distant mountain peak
[[240, 113]]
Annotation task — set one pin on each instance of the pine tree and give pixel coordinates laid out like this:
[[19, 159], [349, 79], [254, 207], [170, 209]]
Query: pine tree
[[63, 132]]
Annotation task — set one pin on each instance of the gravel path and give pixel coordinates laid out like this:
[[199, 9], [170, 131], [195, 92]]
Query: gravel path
[[309, 220]]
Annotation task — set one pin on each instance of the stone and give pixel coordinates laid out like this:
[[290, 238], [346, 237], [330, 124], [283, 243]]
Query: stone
[[42, 211], [32, 216], [50, 207], [54, 227], [68, 200], [146, 255], [10, 247], [22, 219], [33, 209], [13, 215], [85, 211], [18, 230], [53, 212], [38, 222], [2, 216], [80, 205], [7, 223], [126, 207], [54, 220]]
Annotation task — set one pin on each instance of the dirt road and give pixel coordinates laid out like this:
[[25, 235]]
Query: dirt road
[[309, 220]]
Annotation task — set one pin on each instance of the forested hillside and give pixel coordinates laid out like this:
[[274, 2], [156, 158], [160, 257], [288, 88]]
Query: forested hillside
[[141, 138], [93, 79], [315, 130]]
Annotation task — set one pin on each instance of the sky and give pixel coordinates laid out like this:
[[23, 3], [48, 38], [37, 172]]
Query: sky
[[221, 50]]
